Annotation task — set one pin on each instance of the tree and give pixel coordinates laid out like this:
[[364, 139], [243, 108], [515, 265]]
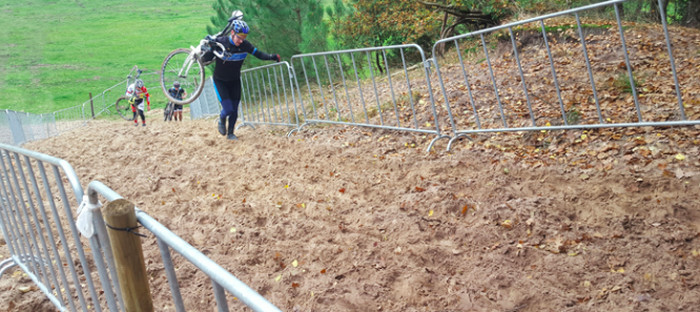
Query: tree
[[463, 15], [287, 27], [692, 15]]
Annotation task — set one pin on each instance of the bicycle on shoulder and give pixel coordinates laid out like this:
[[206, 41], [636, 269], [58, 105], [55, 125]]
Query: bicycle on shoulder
[[187, 65], [124, 104], [169, 111], [173, 109]]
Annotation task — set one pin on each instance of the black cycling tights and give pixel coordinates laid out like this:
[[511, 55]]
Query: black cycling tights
[[143, 117]]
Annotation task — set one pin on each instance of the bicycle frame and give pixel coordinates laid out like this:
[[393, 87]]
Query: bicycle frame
[[188, 65], [195, 56], [133, 70]]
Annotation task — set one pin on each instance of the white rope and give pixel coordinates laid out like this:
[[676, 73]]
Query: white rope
[[84, 220]]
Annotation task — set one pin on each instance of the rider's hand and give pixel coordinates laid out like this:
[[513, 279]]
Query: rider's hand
[[276, 58]]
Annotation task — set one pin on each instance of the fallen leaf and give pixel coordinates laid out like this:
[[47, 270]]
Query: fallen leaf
[[507, 224]]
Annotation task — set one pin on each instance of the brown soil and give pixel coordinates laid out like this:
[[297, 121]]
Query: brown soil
[[373, 222]]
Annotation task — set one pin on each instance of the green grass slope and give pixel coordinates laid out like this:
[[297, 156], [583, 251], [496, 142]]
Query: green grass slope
[[54, 53]]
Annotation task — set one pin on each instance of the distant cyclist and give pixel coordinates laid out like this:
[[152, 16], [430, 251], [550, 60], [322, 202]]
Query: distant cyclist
[[227, 73], [177, 93], [137, 92]]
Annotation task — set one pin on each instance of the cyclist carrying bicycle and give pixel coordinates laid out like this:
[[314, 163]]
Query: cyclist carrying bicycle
[[227, 72], [137, 93], [177, 93]]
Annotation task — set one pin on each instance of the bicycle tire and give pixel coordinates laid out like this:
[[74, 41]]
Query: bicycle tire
[[168, 113], [124, 108], [192, 81]]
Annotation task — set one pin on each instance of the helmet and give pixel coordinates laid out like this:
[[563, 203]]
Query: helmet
[[236, 15], [139, 83], [176, 84], [239, 27]]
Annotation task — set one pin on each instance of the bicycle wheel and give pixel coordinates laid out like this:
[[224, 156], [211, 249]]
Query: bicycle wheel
[[124, 108], [168, 112], [184, 68]]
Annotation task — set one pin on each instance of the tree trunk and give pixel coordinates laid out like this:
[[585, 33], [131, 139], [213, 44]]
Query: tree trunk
[[691, 17], [655, 13]]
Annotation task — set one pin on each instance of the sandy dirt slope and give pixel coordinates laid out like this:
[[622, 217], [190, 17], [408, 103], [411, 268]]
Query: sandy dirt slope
[[344, 219]]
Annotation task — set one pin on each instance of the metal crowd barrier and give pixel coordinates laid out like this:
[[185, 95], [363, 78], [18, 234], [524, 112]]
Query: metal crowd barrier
[[207, 104], [342, 87], [19, 127], [222, 280], [70, 118], [268, 96], [36, 220], [44, 241], [475, 108]]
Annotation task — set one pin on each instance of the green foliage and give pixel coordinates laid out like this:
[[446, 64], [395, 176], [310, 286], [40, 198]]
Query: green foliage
[[622, 83], [54, 53], [573, 116]]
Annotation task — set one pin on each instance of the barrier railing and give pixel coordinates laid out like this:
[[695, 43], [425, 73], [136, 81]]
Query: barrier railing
[[222, 280], [507, 101], [371, 87], [268, 96], [43, 240], [207, 104]]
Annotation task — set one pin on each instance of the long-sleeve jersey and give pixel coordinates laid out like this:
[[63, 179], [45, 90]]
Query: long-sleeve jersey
[[139, 93], [229, 68]]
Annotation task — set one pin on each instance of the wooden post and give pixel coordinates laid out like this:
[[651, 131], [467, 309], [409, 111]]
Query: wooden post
[[92, 108], [128, 255]]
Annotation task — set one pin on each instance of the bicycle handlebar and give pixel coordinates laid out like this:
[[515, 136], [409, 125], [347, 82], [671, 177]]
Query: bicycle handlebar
[[217, 52]]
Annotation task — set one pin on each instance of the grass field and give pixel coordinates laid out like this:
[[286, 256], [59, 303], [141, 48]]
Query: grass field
[[54, 53]]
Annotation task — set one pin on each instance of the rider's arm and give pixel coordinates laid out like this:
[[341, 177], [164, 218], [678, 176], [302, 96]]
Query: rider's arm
[[148, 97], [262, 55]]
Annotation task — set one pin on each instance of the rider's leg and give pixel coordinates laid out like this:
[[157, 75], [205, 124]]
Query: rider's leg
[[143, 116], [235, 89], [223, 91], [232, 118]]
